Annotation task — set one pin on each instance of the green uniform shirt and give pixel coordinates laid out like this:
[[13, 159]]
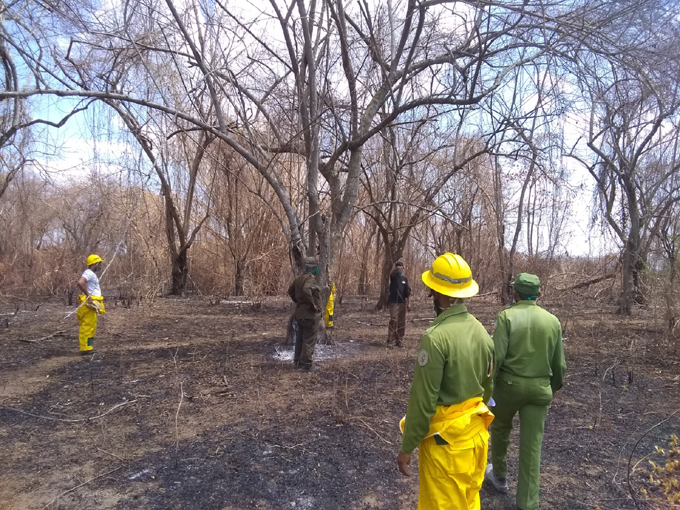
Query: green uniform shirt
[[528, 342], [454, 364]]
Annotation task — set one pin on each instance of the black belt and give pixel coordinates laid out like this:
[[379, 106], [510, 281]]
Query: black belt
[[439, 440]]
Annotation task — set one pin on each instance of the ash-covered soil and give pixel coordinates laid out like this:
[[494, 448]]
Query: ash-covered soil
[[188, 405]]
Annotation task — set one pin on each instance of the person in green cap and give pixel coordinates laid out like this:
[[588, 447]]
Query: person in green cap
[[447, 417], [529, 369], [304, 291]]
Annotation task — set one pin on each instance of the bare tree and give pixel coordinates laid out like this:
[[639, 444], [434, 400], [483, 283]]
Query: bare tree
[[403, 186], [634, 136], [26, 31], [245, 220], [349, 65], [669, 241], [305, 87], [523, 138]]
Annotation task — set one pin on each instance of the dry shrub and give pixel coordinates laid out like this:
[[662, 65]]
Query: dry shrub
[[664, 477]]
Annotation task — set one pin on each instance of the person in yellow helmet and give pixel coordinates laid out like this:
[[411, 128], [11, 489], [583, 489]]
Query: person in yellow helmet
[[91, 303], [447, 417]]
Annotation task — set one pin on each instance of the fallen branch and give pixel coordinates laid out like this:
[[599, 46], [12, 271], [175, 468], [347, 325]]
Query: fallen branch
[[616, 364], [589, 282], [599, 414], [593, 281], [371, 429], [58, 333], [13, 314], [288, 447], [229, 393], [492, 293], [113, 455], [181, 399], [74, 420], [81, 485]]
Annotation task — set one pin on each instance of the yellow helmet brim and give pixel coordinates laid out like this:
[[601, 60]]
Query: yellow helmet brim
[[459, 290], [93, 259]]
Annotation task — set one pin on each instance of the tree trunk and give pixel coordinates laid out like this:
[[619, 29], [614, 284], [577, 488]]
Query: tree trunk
[[180, 271], [638, 271], [670, 294], [626, 299], [391, 256], [177, 258], [384, 284], [7, 179], [505, 265], [362, 288], [632, 262], [239, 277], [629, 276], [330, 244], [297, 255], [506, 289]]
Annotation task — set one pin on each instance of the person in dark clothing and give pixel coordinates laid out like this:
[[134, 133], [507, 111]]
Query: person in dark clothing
[[399, 301], [304, 291]]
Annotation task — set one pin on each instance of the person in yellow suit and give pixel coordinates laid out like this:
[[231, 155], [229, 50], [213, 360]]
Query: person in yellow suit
[[93, 303], [447, 417], [330, 306]]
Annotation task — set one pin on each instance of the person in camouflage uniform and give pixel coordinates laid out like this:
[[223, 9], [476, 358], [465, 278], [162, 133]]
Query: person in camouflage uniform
[[305, 292]]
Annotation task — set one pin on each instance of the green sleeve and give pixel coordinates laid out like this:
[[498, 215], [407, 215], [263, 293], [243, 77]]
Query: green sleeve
[[558, 364], [487, 384], [291, 291], [422, 403], [501, 338]]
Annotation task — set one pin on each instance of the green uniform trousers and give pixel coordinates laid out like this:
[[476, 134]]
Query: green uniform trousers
[[305, 341], [530, 397]]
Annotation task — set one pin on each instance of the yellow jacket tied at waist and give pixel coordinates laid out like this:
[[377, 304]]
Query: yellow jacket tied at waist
[[458, 423]]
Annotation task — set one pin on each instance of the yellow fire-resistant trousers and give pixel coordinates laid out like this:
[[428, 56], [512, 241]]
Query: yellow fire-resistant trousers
[[452, 475], [452, 457], [87, 317]]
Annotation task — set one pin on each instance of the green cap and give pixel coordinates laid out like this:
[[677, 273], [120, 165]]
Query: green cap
[[527, 285], [311, 264]]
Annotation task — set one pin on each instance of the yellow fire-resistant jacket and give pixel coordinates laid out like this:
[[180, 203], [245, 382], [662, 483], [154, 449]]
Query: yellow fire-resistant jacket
[[456, 424]]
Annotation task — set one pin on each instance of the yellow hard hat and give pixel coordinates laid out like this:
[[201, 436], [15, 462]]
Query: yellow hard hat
[[450, 275], [93, 259]]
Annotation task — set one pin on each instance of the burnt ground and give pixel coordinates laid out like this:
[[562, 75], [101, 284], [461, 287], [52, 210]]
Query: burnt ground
[[188, 405]]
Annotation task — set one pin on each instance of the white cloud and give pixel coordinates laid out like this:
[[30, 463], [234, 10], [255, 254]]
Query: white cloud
[[78, 157]]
